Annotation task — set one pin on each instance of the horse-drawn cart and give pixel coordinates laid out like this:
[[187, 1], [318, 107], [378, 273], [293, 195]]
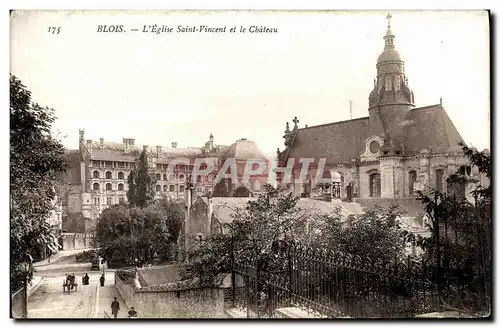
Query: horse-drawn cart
[[70, 284]]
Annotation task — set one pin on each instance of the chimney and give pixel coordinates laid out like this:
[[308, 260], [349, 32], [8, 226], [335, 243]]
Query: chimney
[[89, 145], [174, 144], [158, 151], [126, 144], [101, 143]]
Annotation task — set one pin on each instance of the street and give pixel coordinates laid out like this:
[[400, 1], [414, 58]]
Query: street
[[91, 301]]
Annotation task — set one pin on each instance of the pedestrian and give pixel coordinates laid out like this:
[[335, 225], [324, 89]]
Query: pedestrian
[[102, 280], [132, 313], [115, 307]]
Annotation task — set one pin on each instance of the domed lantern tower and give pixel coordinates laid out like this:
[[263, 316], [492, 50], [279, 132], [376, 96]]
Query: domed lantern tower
[[391, 99]]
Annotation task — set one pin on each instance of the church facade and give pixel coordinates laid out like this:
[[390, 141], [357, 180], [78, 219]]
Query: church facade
[[397, 150]]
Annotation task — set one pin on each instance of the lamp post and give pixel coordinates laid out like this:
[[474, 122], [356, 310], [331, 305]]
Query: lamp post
[[27, 268]]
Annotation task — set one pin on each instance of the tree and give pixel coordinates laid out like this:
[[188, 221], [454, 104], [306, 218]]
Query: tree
[[125, 235], [242, 191], [141, 191], [36, 158], [173, 214], [221, 189]]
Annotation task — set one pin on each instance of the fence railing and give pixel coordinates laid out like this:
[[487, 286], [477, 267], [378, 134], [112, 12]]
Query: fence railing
[[453, 274], [106, 315]]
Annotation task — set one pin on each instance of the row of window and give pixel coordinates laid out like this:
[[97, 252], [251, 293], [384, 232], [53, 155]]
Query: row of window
[[397, 83], [121, 165], [170, 188], [108, 175], [108, 186], [171, 177], [109, 200]]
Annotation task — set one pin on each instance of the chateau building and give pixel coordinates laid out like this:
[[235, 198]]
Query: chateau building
[[397, 150], [99, 171]]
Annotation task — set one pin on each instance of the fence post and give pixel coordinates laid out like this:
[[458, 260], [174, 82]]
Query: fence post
[[233, 278], [290, 275]]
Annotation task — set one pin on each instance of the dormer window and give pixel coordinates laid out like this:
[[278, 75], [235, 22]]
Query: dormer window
[[388, 83], [397, 83]]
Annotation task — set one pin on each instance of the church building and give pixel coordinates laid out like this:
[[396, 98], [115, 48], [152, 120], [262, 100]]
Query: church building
[[395, 151]]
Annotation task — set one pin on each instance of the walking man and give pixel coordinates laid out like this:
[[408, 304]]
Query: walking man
[[115, 307]]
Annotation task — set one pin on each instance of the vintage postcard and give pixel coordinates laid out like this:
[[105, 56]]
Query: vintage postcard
[[250, 164]]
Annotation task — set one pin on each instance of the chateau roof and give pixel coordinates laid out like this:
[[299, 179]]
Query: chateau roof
[[244, 149], [429, 128]]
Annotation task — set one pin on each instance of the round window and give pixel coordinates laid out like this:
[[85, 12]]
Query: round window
[[374, 147]]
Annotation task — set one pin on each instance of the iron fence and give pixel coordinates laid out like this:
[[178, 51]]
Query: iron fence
[[453, 274]]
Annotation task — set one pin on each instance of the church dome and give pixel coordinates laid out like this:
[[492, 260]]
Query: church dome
[[389, 55]]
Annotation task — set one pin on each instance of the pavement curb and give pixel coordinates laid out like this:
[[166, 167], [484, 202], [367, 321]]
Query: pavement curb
[[35, 287]]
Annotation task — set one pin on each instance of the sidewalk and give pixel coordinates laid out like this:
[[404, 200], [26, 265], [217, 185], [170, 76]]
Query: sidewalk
[[54, 258]]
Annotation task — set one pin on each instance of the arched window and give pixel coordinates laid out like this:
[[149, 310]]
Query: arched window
[[158, 176], [95, 186], [108, 186], [158, 188], [397, 83], [120, 186], [388, 83], [412, 178], [164, 177], [181, 188], [172, 188], [181, 176], [165, 188], [95, 174], [375, 185], [121, 176], [109, 175]]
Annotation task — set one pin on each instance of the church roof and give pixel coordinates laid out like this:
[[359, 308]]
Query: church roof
[[431, 128], [428, 128], [338, 142]]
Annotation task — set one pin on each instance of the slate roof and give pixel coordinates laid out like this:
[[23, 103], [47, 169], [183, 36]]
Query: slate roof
[[430, 128], [433, 129], [338, 142], [114, 151]]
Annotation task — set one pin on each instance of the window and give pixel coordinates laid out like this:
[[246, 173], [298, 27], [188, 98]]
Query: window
[[397, 83], [439, 180], [198, 178], [412, 178], [120, 186], [158, 176], [388, 83], [465, 170], [198, 189], [165, 188], [95, 175], [96, 200], [108, 186], [181, 188], [164, 177], [181, 176], [158, 188], [121, 176], [108, 201], [375, 185], [181, 168], [121, 200], [121, 165], [95, 187], [109, 175], [172, 188]]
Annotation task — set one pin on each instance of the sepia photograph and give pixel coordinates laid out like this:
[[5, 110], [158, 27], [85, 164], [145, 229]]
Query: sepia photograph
[[250, 164]]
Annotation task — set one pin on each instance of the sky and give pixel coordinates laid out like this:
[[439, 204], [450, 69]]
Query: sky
[[180, 87]]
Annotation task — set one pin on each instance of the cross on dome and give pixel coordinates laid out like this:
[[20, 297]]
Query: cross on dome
[[388, 17]]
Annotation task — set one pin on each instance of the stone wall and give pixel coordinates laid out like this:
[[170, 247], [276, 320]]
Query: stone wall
[[74, 241], [18, 305], [175, 300]]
